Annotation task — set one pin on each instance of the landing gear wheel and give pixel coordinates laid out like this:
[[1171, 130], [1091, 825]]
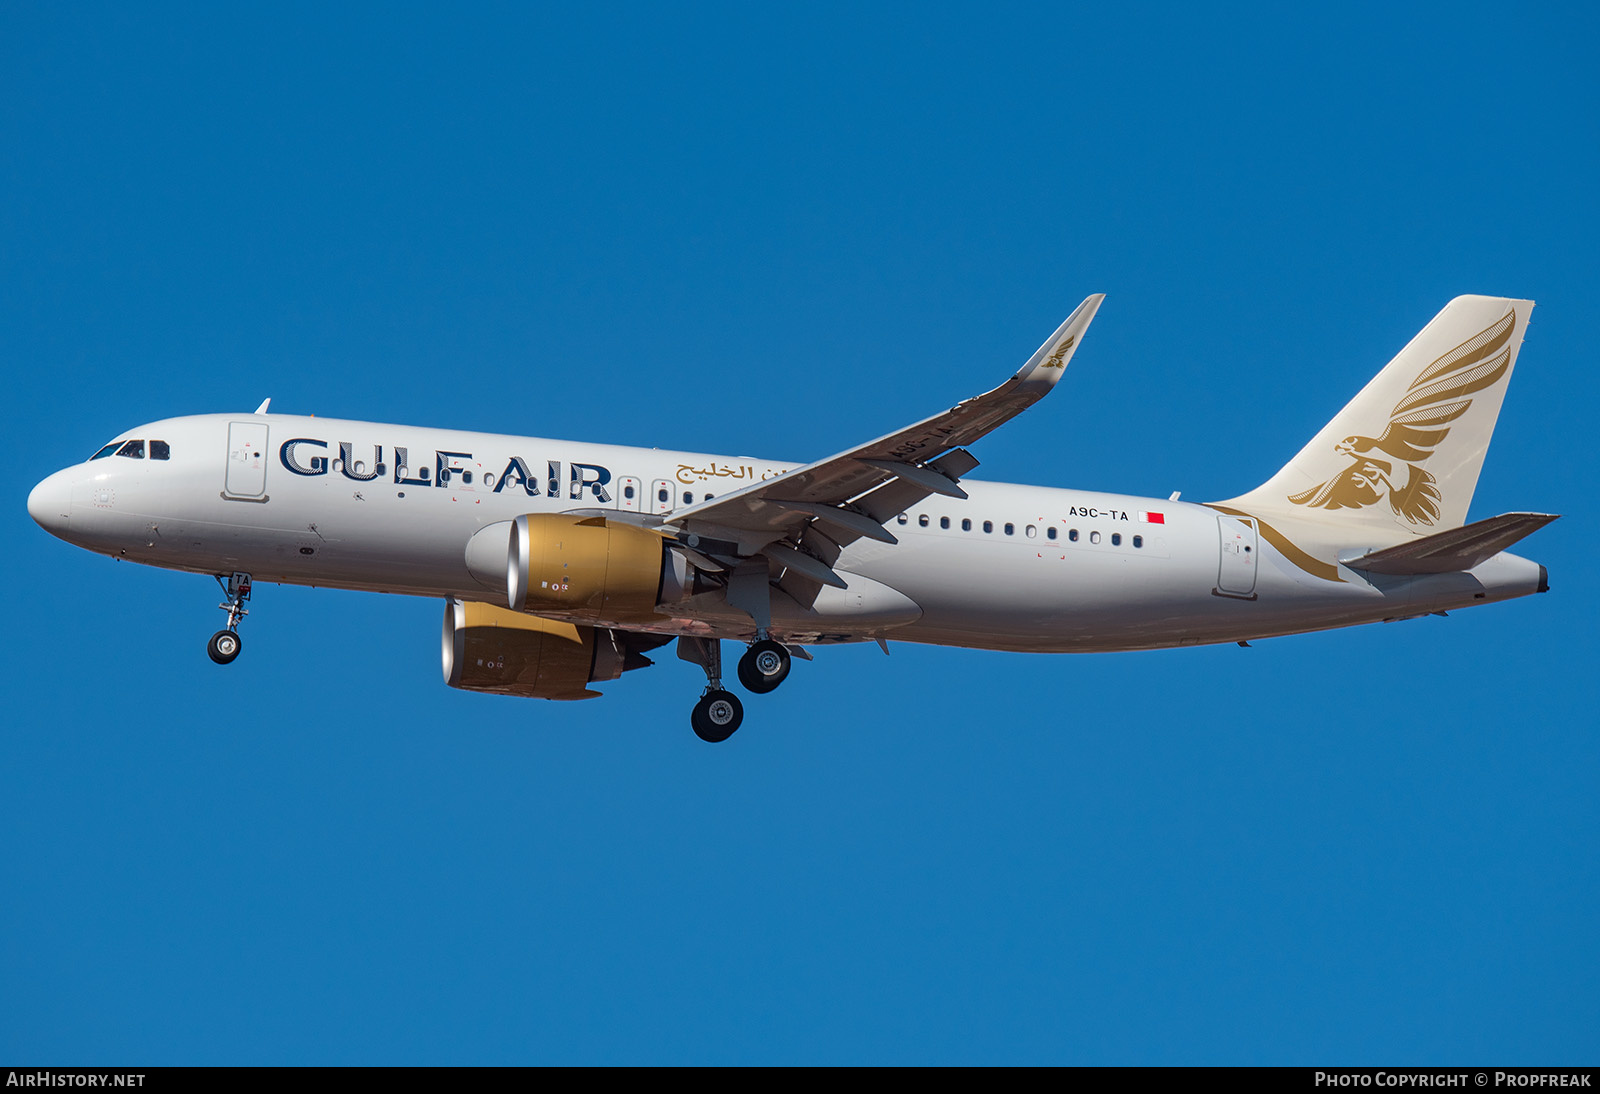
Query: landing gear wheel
[[716, 716], [764, 666], [224, 647]]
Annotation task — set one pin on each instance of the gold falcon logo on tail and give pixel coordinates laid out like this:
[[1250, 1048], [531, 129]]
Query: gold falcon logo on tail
[[1418, 424]]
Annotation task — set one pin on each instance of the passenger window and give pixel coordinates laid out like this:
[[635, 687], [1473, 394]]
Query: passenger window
[[662, 495], [134, 450], [944, 522], [106, 451], [708, 497], [1094, 537], [1032, 531], [966, 524], [988, 526], [1010, 528], [1050, 532], [627, 492], [1138, 541], [160, 450], [922, 520], [901, 519], [1116, 539], [1072, 534], [688, 497]]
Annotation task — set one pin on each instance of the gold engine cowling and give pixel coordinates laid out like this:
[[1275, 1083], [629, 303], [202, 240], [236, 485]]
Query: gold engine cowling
[[590, 569], [491, 649]]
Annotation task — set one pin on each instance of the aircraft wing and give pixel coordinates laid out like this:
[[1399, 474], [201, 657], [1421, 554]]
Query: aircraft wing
[[851, 494]]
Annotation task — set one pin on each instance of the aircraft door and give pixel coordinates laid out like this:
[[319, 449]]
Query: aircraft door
[[247, 461], [628, 491], [1236, 575], [661, 496]]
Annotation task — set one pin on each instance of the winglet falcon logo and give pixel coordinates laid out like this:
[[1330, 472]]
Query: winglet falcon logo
[[1061, 351], [1418, 424]]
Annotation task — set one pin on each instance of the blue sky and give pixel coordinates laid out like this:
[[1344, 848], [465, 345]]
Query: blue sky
[[784, 232]]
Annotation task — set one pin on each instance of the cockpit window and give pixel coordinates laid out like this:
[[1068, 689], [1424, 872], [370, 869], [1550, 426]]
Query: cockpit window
[[160, 450], [134, 450], [106, 451]]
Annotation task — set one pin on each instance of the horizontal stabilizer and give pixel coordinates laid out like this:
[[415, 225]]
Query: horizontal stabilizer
[[1457, 549]]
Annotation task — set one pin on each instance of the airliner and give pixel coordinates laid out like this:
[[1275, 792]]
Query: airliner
[[563, 564]]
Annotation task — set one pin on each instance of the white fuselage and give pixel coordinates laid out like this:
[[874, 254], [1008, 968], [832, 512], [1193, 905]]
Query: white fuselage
[[302, 501]]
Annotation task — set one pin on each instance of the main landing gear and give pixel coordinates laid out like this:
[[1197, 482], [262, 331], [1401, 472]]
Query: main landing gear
[[226, 644], [716, 715], [764, 666], [719, 713]]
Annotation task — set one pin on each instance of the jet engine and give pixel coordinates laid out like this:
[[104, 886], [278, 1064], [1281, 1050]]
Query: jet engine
[[590, 569], [491, 649]]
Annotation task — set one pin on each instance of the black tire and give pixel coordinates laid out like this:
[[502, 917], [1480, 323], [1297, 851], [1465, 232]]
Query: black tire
[[764, 666], [716, 716], [224, 647]]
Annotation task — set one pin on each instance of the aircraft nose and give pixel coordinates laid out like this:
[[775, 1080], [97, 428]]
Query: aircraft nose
[[50, 503]]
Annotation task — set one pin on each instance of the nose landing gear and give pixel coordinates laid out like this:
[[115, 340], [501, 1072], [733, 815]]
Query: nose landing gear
[[226, 644], [224, 647]]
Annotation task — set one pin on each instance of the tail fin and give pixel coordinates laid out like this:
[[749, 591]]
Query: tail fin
[[1404, 455]]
